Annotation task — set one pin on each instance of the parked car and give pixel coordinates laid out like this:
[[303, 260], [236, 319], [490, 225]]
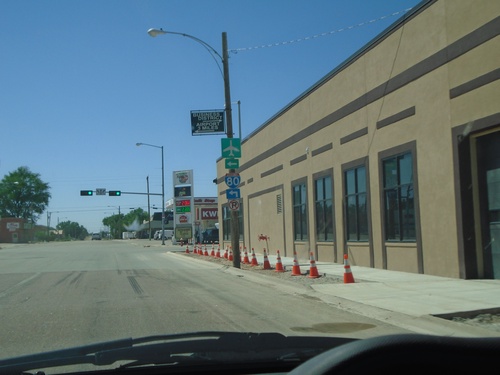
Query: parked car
[[168, 234], [210, 236]]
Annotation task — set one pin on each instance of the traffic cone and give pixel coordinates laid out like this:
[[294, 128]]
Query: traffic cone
[[230, 258], [348, 277], [205, 253], [296, 267], [212, 253], [254, 259], [245, 258], [187, 249], [226, 253], [267, 265], [279, 265], [313, 271], [217, 254]]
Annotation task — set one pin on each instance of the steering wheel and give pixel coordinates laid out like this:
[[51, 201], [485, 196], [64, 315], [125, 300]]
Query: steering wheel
[[407, 353]]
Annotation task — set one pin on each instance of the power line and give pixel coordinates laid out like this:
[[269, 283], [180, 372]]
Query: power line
[[236, 50]]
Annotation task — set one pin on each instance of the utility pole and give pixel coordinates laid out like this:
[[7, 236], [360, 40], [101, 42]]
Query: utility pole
[[235, 225]]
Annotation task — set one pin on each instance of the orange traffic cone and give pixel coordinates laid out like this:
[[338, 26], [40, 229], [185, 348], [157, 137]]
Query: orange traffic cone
[[226, 253], [254, 259], [187, 249], [217, 254], [212, 253], [296, 267], [348, 277], [279, 265], [313, 271], [245, 258], [230, 258], [206, 251], [267, 265]]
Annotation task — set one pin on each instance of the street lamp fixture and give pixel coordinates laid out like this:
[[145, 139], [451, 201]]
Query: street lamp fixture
[[224, 58], [162, 190]]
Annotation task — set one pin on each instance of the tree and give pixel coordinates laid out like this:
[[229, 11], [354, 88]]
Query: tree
[[23, 195], [135, 217], [115, 224], [72, 230]]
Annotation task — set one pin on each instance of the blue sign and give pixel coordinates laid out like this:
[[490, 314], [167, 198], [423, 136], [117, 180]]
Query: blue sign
[[233, 193], [232, 180]]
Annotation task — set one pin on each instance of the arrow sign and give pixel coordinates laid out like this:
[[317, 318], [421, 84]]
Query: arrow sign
[[232, 163], [233, 193]]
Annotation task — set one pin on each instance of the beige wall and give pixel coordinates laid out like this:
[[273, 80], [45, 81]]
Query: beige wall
[[285, 148]]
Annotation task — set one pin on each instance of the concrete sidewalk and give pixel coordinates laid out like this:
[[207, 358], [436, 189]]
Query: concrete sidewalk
[[407, 293]]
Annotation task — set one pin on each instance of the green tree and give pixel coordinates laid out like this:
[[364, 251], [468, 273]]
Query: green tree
[[135, 218], [72, 230], [23, 195], [115, 224]]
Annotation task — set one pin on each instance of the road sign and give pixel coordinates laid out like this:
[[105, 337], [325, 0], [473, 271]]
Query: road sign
[[231, 148], [232, 163], [100, 191], [233, 193], [207, 122], [232, 180], [234, 205]]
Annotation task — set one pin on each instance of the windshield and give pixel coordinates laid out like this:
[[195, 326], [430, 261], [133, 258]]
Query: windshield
[[306, 169]]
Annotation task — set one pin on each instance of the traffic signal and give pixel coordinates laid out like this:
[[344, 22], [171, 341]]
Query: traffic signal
[[115, 193], [86, 192]]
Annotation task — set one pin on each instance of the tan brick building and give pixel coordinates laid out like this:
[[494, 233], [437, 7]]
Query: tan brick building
[[393, 157]]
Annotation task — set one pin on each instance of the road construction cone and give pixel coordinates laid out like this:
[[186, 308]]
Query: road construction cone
[[245, 258], [267, 265], [206, 251], [296, 267], [187, 249], [212, 253], [313, 271], [279, 265], [254, 259], [217, 254], [230, 258], [348, 277], [226, 253]]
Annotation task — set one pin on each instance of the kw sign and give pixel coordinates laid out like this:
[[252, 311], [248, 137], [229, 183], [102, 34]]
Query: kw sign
[[209, 214], [207, 122]]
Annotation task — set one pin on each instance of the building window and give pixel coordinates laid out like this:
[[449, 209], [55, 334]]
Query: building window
[[399, 203], [226, 223], [300, 212], [356, 204], [323, 194]]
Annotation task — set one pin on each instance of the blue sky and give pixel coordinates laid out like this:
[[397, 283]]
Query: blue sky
[[81, 82]]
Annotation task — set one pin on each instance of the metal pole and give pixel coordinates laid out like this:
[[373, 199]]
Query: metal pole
[[162, 199], [234, 222], [149, 208], [239, 119]]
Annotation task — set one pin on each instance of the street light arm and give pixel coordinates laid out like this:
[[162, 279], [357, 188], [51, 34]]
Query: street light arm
[[213, 52]]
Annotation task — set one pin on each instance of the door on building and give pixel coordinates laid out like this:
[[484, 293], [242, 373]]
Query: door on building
[[488, 199]]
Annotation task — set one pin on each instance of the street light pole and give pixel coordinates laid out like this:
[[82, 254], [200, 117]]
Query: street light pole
[[234, 218], [162, 190]]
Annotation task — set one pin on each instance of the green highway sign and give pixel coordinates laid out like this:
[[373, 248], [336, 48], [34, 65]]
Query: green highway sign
[[232, 163], [231, 148]]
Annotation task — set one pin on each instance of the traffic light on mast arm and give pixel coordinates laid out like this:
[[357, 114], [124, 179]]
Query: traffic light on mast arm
[[86, 192], [115, 193]]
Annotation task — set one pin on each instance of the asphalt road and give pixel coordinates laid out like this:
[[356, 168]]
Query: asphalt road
[[58, 295]]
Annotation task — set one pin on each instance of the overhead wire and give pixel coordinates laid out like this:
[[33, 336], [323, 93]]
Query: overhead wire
[[277, 44]]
